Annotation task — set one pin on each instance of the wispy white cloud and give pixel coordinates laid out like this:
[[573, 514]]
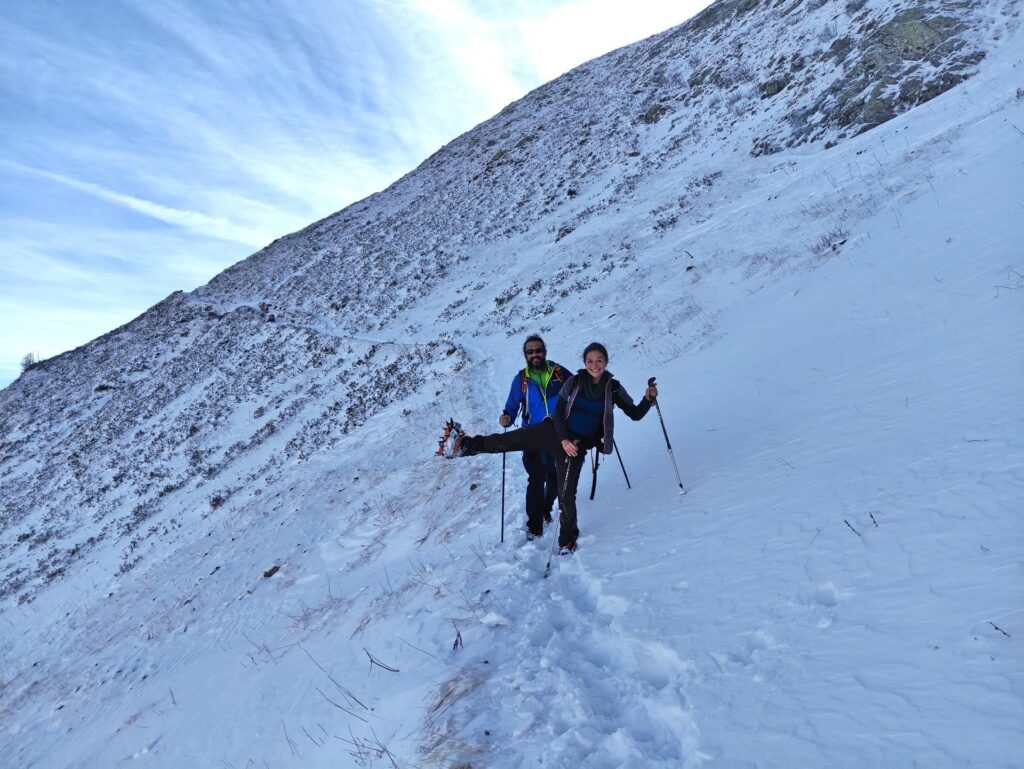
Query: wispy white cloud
[[199, 223], [37, 258], [560, 37]]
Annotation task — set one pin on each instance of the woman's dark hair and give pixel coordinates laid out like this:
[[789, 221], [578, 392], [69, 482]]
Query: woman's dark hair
[[595, 347], [534, 338]]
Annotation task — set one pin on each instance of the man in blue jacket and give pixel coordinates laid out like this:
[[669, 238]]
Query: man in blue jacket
[[533, 393]]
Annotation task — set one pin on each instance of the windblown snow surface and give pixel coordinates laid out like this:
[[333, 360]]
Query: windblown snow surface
[[842, 586]]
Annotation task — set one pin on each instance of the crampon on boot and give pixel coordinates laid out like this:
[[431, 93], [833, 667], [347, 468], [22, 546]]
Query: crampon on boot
[[452, 441]]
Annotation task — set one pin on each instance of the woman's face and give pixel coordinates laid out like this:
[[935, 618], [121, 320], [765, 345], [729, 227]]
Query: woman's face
[[595, 363]]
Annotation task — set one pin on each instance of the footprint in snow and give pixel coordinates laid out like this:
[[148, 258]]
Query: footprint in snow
[[826, 595], [824, 598], [579, 691], [747, 654]]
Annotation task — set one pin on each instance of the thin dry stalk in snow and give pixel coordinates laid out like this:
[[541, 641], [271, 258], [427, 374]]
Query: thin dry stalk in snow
[[378, 663]]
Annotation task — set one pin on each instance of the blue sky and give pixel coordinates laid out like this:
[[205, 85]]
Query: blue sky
[[149, 145]]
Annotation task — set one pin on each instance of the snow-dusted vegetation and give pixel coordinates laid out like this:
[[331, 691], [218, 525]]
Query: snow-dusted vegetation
[[226, 542]]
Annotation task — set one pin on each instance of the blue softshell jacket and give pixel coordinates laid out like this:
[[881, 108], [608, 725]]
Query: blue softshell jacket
[[533, 399]]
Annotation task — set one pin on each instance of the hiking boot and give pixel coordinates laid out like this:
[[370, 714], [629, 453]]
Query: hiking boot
[[464, 445], [532, 535], [568, 548]]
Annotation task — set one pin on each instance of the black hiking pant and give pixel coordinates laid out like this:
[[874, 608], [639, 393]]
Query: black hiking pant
[[542, 437], [541, 488]]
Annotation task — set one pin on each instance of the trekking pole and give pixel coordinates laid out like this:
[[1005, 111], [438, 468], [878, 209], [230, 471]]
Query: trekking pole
[[616, 447], [551, 550], [682, 490], [503, 494], [561, 507]]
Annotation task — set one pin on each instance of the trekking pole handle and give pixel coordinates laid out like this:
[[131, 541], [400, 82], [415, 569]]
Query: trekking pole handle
[[650, 383], [668, 443]]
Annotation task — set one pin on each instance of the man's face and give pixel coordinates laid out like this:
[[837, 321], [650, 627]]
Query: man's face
[[536, 355]]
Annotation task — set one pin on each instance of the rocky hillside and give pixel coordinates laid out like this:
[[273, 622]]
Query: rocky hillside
[[291, 350]]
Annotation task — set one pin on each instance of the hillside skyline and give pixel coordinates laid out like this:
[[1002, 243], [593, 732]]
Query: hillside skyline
[[136, 170]]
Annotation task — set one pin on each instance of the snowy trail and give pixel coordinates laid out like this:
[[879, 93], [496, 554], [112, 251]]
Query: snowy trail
[[580, 687]]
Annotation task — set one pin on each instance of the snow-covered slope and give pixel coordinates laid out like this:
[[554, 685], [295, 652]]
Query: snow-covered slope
[[588, 186], [227, 544]]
